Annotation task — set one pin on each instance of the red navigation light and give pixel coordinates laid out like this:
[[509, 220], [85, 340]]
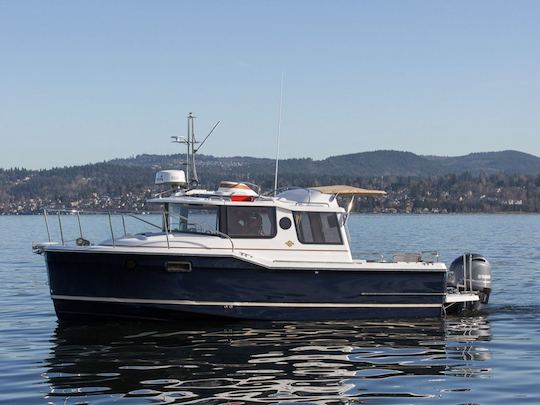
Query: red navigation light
[[242, 198]]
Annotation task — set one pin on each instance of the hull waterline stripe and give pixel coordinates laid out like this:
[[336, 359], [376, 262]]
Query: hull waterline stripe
[[237, 303]]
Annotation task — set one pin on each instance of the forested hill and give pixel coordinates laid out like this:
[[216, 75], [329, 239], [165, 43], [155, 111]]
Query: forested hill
[[478, 182], [363, 164]]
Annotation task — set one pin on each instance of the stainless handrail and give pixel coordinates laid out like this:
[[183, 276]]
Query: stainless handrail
[[79, 221], [61, 230], [313, 203], [140, 219], [47, 224], [62, 211], [95, 212], [381, 255], [434, 255], [433, 259], [165, 227], [112, 232], [214, 232], [470, 272], [465, 271], [124, 225], [228, 237]]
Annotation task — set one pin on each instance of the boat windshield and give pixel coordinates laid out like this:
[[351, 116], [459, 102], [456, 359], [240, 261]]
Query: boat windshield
[[193, 218]]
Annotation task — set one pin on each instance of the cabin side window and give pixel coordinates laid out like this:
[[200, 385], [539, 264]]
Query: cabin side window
[[317, 228], [251, 222], [193, 218]]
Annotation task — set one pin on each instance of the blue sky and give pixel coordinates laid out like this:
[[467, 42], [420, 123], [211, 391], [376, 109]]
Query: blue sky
[[86, 81]]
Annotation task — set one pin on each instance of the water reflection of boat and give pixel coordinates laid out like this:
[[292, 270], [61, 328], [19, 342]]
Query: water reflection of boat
[[237, 253], [248, 362]]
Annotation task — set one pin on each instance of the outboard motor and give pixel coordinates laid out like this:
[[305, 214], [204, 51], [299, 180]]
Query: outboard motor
[[475, 275]]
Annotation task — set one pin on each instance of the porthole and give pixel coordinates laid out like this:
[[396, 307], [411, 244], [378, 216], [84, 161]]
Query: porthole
[[285, 223]]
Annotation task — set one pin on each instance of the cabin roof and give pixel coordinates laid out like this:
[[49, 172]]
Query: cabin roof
[[259, 202]]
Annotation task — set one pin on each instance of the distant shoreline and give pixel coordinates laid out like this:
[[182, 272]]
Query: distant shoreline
[[38, 214], [492, 182]]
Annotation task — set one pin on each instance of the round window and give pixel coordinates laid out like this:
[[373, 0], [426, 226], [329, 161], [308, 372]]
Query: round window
[[285, 223]]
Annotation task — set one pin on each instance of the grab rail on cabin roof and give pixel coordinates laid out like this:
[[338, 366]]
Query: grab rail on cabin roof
[[313, 203]]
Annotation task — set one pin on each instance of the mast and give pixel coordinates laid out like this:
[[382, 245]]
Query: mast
[[191, 168], [189, 141], [193, 181]]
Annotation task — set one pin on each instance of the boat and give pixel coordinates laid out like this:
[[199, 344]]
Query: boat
[[238, 253]]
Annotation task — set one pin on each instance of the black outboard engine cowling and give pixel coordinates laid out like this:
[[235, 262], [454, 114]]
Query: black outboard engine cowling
[[474, 276]]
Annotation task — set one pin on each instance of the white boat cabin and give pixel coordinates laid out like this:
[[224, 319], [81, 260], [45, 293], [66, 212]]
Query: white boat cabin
[[299, 221]]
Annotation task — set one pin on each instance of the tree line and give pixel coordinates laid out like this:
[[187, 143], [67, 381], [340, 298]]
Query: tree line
[[109, 186]]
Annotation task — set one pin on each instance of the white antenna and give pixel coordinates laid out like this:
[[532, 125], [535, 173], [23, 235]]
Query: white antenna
[[279, 132]]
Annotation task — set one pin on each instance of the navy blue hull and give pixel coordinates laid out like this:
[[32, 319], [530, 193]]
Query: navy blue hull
[[119, 285]]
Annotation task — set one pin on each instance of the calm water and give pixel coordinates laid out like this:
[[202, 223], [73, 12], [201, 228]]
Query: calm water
[[489, 358]]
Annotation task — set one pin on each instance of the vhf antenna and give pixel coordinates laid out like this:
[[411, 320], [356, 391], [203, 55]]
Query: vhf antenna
[[279, 133]]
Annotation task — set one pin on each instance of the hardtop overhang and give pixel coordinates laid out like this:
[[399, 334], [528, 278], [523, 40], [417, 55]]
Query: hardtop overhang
[[344, 190], [259, 202]]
